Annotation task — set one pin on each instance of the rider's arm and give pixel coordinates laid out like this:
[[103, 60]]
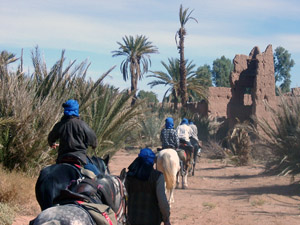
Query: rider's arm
[[53, 136]]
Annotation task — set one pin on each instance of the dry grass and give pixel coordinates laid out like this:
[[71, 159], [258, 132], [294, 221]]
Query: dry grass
[[213, 150], [17, 195]]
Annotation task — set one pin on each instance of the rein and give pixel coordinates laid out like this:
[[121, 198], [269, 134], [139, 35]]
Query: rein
[[123, 204]]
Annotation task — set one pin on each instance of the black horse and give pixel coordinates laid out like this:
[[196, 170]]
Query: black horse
[[55, 178], [83, 200]]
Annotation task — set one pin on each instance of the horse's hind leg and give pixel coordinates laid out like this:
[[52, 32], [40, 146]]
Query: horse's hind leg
[[171, 196], [184, 181], [177, 180]]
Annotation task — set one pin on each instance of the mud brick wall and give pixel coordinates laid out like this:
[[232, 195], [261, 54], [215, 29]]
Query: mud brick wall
[[252, 88]]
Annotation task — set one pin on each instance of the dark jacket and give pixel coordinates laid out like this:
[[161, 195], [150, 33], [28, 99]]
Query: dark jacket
[[143, 208], [74, 138], [147, 201]]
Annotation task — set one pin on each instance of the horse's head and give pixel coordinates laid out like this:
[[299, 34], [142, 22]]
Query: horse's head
[[114, 192], [101, 164]]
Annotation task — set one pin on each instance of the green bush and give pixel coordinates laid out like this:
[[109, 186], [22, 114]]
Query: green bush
[[31, 104], [281, 136], [238, 141]]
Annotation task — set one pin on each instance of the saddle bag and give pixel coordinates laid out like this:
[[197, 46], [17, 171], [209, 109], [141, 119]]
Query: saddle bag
[[101, 213]]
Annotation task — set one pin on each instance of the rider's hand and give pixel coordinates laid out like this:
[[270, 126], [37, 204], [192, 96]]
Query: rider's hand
[[54, 146]]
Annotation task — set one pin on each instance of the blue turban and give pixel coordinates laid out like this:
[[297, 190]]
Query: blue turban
[[185, 121], [147, 155], [71, 108], [169, 123]]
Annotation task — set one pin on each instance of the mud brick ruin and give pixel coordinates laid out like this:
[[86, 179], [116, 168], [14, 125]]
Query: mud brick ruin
[[252, 90]]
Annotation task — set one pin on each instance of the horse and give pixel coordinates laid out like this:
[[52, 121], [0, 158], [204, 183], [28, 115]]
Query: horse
[[197, 145], [55, 178], [70, 207], [167, 162], [187, 160]]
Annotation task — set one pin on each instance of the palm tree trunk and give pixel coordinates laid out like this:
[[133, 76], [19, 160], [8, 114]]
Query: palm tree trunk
[[175, 100], [134, 79], [182, 69]]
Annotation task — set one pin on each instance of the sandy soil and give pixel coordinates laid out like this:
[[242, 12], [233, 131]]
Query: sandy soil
[[223, 194]]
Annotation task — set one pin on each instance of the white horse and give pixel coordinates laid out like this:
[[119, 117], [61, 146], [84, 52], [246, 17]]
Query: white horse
[[168, 163]]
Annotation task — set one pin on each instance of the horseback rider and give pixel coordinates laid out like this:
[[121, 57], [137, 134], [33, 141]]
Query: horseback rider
[[194, 138], [184, 132], [147, 200], [74, 137], [168, 135]]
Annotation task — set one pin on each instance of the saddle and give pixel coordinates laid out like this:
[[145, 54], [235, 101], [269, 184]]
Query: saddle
[[98, 191], [88, 194], [83, 189]]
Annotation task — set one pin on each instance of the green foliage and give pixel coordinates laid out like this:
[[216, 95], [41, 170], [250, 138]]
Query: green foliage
[[149, 95], [184, 17], [239, 142], [136, 51], [207, 127], [31, 105], [221, 71], [171, 78], [282, 136], [113, 119], [282, 65], [151, 126], [204, 73]]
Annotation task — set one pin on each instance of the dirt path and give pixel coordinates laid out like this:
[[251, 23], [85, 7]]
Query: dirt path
[[223, 194]]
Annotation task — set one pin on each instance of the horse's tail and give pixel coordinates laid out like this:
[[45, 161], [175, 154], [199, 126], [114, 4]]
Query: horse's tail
[[169, 171]]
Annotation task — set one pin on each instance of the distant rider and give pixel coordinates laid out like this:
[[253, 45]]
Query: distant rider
[[194, 137], [184, 132], [168, 135]]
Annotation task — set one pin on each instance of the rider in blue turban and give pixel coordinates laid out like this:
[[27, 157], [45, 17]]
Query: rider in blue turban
[[71, 108]]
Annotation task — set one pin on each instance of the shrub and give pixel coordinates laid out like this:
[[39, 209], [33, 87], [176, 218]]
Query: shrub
[[17, 193], [7, 214], [31, 105], [239, 143], [282, 136]]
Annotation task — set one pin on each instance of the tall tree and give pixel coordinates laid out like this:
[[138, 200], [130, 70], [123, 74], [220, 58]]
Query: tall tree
[[204, 72], [221, 71], [171, 78], [137, 52], [150, 95], [184, 17], [282, 65]]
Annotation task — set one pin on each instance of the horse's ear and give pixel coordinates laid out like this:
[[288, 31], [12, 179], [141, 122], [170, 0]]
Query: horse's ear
[[106, 160], [123, 174]]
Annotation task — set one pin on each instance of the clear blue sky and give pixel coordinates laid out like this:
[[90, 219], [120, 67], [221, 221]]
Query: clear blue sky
[[90, 30]]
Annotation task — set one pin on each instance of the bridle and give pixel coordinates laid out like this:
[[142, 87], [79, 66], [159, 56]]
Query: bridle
[[122, 211]]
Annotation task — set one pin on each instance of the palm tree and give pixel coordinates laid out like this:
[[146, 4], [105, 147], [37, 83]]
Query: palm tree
[[171, 78], [184, 17], [137, 52]]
